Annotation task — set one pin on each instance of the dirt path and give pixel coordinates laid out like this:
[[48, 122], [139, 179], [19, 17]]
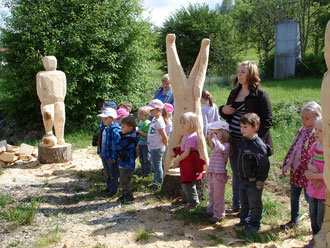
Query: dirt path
[[101, 222]]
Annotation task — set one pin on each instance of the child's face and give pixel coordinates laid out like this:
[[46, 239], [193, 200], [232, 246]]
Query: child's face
[[203, 101], [217, 132], [125, 129], [248, 130], [107, 121], [308, 119], [156, 112], [318, 132], [242, 74], [142, 116], [185, 126]]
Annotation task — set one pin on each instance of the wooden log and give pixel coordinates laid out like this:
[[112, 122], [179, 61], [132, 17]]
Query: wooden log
[[55, 154], [171, 187]]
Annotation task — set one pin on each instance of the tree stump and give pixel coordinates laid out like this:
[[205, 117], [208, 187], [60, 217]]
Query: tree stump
[[55, 154], [171, 187]]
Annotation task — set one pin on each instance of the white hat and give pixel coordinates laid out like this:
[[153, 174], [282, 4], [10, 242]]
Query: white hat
[[156, 103], [108, 112], [219, 125]]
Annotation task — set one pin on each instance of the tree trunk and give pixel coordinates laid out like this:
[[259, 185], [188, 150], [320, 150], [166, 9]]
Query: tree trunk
[[56, 154], [171, 187]]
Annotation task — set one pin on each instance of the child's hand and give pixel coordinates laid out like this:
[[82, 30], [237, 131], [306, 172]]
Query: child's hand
[[313, 168], [259, 187], [176, 164], [309, 174], [284, 172]]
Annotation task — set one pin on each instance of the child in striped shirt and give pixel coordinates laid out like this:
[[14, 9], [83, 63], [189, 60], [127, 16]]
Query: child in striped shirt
[[217, 174]]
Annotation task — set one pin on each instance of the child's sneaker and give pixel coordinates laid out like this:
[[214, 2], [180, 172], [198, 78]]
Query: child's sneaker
[[214, 220], [153, 187], [233, 210], [288, 225], [241, 224], [251, 228]]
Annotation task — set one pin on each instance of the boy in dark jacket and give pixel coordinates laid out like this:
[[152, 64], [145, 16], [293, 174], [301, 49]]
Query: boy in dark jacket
[[108, 137], [126, 150], [253, 168]]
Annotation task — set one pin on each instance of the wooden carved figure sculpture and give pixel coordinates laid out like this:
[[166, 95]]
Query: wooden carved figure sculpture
[[187, 94], [322, 239], [51, 90]]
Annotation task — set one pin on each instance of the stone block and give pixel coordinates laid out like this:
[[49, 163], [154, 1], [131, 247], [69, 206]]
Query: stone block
[[25, 158], [35, 152]]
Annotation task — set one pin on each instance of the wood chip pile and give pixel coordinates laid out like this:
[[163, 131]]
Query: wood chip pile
[[24, 153]]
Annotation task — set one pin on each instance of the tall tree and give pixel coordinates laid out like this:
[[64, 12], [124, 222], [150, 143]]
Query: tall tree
[[105, 48], [226, 7], [256, 21]]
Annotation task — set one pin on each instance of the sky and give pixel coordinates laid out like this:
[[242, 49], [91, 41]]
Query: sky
[[160, 10]]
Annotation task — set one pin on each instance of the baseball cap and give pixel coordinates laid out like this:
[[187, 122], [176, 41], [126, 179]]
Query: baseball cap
[[122, 112], [156, 104], [109, 104], [219, 125], [168, 107], [108, 112]]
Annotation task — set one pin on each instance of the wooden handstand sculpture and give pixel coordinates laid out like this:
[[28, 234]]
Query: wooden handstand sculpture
[[187, 95], [322, 239]]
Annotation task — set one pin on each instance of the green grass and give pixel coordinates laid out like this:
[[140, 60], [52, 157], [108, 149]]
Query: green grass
[[259, 237], [142, 234], [195, 215], [217, 240], [48, 238], [16, 214]]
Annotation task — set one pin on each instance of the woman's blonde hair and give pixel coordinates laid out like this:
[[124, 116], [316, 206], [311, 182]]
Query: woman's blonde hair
[[312, 107], [191, 118], [144, 110], [167, 115], [253, 77]]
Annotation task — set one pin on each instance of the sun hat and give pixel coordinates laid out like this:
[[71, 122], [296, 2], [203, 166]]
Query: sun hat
[[156, 104], [168, 107], [219, 125], [122, 112], [109, 104], [108, 112]]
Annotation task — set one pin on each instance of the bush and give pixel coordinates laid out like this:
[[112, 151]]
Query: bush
[[311, 65], [267, 67], [105, 48]]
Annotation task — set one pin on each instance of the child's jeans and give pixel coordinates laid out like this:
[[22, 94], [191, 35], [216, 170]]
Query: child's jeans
[[235, 178], [316, 213], [156, 161], [295, 202], [144, 157], [217, 182], [125, 181], [189, 193], [112, 172], [250, 198]]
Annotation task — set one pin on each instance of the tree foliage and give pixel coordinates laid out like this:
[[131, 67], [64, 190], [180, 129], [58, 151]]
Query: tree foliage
[[105, 48], [191, 25], [225, 8]]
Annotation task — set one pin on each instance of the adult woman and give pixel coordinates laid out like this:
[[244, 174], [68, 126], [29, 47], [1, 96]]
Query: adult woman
[[246, 97], [165, 93]]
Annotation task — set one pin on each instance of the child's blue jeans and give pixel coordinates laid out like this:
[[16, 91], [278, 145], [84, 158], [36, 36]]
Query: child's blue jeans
[[112, 172], [156, 161], [316, 213], [144, 157], [250, 198], [295, 202]]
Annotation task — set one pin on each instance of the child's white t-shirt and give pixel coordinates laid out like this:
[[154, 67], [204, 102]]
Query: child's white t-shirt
[[154, 138]]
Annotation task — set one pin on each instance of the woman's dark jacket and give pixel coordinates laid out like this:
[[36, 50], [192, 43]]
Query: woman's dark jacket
[[256, 102]]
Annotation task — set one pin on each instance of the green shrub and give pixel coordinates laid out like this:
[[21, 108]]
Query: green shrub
[[311, 65]]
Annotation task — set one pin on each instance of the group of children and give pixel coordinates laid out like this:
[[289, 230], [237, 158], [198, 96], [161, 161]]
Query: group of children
[[118, 140]]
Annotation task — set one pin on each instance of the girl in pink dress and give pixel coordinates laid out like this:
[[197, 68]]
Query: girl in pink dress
[[191, 165], [316, 186], [217, 174], [298, 158]]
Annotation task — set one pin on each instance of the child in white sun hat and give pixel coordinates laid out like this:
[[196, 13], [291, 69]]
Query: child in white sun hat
[[217, 174]]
